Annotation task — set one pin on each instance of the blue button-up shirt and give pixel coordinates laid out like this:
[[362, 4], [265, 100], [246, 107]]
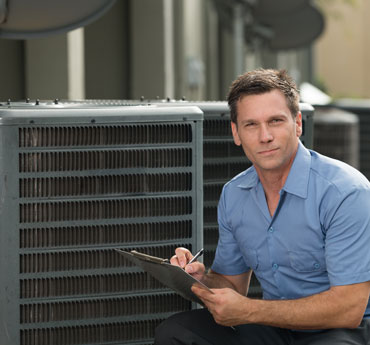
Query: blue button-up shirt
[[319, 235]]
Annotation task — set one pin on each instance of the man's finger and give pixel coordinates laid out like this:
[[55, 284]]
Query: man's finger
[[183, 256], [174, 261], [202, 293], [195, 268]]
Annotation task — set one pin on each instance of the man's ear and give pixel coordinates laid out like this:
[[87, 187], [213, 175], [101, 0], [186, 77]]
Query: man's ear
[[298, 124], [234, 130]]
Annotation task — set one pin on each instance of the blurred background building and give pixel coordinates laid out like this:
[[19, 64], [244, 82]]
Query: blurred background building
[[162, 48], [342, 52], [189, 48]]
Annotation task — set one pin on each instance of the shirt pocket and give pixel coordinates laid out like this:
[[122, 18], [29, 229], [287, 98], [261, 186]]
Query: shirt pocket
[[251, 258], [308, 261]]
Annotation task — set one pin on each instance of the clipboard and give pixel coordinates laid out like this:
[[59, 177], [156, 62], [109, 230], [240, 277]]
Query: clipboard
[[171, 276]]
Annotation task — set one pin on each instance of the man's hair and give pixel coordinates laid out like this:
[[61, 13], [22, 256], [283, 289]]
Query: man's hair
[[261, 81]]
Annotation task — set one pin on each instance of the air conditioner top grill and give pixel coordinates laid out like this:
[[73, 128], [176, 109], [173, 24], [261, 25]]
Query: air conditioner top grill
[[18, 114]]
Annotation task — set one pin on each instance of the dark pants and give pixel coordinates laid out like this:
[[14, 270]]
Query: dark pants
[[197, 327]]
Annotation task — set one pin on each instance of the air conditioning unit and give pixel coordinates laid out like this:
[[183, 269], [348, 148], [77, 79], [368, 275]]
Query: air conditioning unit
[[361, 108], [78, 181], [337, 134]]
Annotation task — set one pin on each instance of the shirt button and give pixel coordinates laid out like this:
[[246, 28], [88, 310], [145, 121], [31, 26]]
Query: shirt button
[[271, 229], [316, 266], [275, 266]]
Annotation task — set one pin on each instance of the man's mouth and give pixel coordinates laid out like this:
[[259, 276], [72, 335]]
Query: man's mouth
[[267, 152]]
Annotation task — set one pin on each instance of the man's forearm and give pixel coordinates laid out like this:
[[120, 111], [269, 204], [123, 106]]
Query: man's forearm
[[216, 281], [339, 307], [239, 283], [329, 309]]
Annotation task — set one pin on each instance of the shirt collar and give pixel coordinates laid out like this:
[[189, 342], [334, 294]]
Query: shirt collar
[[297, 181]]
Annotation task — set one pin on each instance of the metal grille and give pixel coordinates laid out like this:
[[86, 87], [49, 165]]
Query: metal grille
[[112, 333], [104, 209], [52, 237], [337, 134], [360, 107], [87, 284], [77, 183], [100, 185], [104, 135], [101, 308], [104, 159]]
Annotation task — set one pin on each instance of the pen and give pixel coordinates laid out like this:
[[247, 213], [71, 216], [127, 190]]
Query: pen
[[196, 256]]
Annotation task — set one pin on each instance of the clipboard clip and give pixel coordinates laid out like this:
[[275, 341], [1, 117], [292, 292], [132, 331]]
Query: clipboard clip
[[149, 258]]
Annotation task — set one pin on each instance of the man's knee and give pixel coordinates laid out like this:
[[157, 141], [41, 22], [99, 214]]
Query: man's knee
[[196, 324], [166, 332], [160, 334]]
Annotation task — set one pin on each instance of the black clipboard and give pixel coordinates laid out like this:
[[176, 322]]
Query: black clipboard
[[171, 276]]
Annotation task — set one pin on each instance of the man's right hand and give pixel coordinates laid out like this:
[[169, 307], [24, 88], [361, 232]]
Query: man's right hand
[[182, 257]]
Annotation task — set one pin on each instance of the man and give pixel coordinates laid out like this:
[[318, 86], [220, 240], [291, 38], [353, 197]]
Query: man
[[299, 220]]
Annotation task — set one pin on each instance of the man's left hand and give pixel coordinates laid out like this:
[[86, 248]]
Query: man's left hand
[[226, 305]]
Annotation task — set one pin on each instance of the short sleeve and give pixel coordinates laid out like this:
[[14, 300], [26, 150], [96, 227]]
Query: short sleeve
[[347, 243]]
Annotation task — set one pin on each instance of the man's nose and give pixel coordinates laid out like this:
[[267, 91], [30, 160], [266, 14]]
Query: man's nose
[[265, 134]]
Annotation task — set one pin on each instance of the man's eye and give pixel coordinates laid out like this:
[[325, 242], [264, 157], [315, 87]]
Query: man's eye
[[276, 120]]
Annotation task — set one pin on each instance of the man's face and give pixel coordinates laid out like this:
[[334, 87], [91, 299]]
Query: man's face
[[267, 131]]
